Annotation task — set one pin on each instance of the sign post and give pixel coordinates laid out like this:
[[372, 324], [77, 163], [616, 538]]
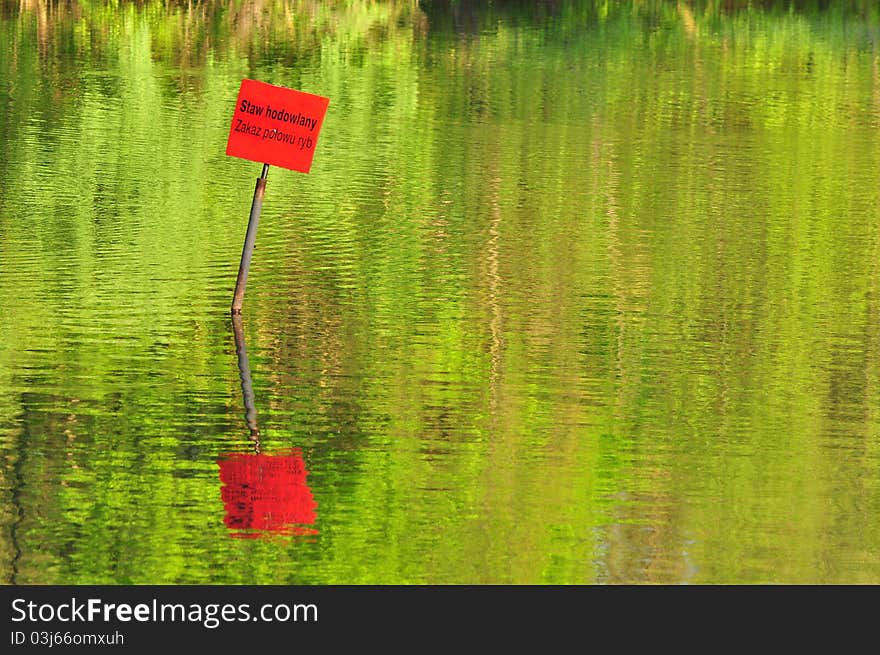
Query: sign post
[[249, 240], [272, 125]]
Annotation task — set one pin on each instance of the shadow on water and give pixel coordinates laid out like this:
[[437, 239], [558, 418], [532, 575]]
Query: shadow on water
[[263, 495]]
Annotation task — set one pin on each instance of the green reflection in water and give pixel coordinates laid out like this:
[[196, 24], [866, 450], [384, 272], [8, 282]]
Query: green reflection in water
[[575, 292]]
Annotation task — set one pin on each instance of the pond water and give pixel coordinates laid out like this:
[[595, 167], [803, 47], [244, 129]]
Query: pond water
[[574, 293]]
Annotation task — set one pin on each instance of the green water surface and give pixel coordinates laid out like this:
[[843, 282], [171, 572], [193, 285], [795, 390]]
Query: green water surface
[[575, 292]]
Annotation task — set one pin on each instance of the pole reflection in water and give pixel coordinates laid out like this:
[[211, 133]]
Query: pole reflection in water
[[247, 386], [264, 495]]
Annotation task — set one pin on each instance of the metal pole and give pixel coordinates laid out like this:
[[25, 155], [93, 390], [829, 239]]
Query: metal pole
[[249, 240]]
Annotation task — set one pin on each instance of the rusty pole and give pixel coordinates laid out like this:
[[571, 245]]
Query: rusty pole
[[249, 240]]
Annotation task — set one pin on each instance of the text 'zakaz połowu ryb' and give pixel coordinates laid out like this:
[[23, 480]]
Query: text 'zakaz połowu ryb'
[[274, 134]]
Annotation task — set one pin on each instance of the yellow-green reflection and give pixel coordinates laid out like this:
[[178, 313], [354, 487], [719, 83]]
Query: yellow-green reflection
[[575, 292]]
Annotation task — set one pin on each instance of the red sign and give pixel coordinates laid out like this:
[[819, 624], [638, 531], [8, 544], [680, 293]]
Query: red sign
[[267, 495], [277, 126]]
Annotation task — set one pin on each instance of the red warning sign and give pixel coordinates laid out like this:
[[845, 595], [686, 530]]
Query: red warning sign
[[277, 126]]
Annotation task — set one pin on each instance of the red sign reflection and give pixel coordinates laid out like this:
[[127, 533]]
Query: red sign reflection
[[266, 495]]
